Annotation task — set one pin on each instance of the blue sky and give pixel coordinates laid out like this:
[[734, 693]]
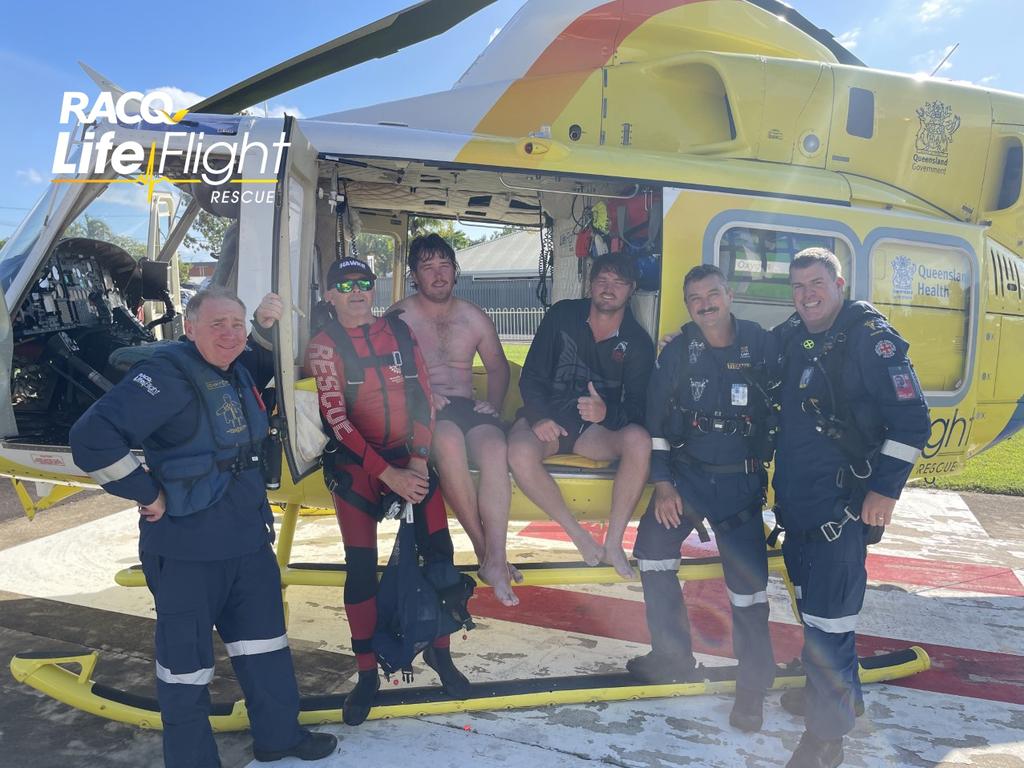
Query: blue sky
[[204, 46]]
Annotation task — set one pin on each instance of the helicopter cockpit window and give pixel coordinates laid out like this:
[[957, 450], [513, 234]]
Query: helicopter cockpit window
[[756, 262], [17, 248]]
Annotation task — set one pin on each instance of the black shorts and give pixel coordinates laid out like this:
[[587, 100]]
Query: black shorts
[[460, 412]]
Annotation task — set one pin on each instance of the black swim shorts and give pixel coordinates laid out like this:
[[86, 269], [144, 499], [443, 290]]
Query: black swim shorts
[[460, 412]]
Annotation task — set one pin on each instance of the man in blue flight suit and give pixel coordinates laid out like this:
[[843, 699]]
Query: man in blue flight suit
[[206, 529], [853, 423], [710, 423]]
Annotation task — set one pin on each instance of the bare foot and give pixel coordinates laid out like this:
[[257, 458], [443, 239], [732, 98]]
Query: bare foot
[[591, 552], [616, 558], [514, 574], [498, 577]]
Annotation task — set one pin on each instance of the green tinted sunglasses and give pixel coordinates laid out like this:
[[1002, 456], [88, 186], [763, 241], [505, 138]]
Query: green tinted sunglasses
[[347, 286]]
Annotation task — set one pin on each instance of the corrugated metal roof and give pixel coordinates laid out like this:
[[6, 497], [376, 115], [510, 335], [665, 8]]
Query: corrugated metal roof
[[514, 254]]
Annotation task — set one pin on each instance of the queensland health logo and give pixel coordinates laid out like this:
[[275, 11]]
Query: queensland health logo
[[216, 163]]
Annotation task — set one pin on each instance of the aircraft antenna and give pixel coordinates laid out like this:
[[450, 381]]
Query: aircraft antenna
[[944, 59]]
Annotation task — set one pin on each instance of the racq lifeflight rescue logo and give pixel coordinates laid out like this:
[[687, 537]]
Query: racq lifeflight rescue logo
[[215, 163]]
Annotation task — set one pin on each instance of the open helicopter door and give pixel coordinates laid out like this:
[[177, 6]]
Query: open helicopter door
[[8, 426], [291, 261]]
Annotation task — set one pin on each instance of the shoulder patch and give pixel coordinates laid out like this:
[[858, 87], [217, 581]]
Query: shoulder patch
[[885, 348], [146, 383], [904, 382]]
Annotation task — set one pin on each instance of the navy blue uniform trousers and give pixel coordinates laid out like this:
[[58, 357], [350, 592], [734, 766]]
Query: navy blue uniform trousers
[[241, 596]]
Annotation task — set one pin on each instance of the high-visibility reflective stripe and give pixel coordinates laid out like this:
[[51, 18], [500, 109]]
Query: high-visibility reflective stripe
[[254, 647], [745, 601], [838, 626], [118, 470], [660, 444], [659, 565], [199, 677], [798, 591], [901, 451]]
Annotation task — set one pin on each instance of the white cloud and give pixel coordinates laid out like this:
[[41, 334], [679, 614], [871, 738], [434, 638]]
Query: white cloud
[[30, 176], [924, 63], [179, 98], [988, 79], [273, 110], [494, 34], [933, 10], [849, 38]]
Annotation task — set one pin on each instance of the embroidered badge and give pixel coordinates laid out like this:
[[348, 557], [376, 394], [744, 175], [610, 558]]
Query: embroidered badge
[[744, 352], [697, 388], [903, 382], [885, 348], [619, 353], [739, 394], [806, 376], [696, 347], [808, 344], [231, 412], [147, 384]]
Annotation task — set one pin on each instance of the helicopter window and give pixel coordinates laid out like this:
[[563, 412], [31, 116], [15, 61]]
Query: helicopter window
[[925, 291], [18, 246], [860, 118], [756, 262], [1013, 166]]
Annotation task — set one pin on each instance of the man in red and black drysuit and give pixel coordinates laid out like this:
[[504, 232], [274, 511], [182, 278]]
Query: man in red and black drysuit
[[374, 394]]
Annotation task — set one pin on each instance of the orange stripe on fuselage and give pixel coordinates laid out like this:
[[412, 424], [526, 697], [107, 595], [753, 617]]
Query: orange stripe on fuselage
[[583, 47]]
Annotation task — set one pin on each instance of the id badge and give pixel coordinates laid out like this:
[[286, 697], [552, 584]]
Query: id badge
[[739, 394], [806, 376]]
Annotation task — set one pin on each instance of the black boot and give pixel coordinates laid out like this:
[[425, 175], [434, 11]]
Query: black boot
[[454, 682], [794, 701], [657, 667], [812, 752], [312, 746], [747, 710], [359, 701]]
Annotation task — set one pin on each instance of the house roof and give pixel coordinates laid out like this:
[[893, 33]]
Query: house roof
[[514, 254]]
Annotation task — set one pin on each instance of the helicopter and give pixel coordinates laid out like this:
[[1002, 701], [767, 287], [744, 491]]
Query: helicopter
[[651, 125]]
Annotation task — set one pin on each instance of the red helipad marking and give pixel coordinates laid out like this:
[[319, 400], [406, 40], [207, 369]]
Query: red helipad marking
[[957, 671], [912, 571]]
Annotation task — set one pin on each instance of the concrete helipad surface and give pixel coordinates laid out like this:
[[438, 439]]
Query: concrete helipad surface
[[949, 576]]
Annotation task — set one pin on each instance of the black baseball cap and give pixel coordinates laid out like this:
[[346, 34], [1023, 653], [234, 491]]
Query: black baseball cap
[[345, 267]]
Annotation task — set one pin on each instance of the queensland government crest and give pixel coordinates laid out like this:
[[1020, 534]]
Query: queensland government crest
[[938, 126], [903, 269]]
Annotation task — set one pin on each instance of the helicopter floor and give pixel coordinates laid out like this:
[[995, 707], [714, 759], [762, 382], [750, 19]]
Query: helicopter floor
[[941, 580]]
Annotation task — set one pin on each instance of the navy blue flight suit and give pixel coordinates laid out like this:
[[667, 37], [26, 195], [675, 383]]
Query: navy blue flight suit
[[706, 416], [858, 370], [208, 561]]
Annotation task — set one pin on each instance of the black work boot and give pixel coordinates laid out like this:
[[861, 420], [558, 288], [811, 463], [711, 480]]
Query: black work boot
[[794, 701], [454, 682], [658, 667], [812, 752], [359, 701], [313, 746], [747, 710]]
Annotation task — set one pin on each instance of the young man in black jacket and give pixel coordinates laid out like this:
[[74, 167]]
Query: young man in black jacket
[[584, 385]]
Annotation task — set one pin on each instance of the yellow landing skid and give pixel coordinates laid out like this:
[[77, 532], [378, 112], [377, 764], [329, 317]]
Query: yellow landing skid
[[49, 674], [57, 493]]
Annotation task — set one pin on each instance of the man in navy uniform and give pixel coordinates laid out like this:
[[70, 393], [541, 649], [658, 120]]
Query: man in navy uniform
[[709, 418], [854, 422], [206, 528]]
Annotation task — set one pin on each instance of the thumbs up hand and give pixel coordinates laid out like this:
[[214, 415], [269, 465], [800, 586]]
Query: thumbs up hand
[[591, 407]]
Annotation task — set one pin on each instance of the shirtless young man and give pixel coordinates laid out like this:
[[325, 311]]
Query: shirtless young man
[[450, 332]]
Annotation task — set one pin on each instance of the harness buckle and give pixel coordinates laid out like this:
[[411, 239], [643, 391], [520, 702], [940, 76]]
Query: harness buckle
[[832, 530]]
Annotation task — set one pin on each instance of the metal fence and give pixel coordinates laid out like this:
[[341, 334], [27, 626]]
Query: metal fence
[[516, 324]]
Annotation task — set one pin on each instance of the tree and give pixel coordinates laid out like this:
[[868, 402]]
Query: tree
[[207, 233], [443, 227], [3, 242], [97, 229], [494, 234]]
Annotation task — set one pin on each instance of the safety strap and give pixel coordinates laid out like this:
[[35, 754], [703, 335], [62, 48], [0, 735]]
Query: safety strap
[[750, 465]]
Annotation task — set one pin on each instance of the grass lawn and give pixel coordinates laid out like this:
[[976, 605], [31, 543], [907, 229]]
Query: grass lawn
[[516, 353], [997, 470]]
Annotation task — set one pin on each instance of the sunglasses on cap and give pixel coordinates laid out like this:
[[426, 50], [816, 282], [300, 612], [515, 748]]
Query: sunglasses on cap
[[364, 284]]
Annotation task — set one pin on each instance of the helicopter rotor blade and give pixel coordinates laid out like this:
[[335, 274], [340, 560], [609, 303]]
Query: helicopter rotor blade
[[381, 38]]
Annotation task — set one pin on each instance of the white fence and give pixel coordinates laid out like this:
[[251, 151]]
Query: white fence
[[516, 324]]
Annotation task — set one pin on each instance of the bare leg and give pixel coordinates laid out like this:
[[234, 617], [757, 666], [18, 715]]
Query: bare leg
[[448, 451], [525, 454], [631, 445], [488, 449]]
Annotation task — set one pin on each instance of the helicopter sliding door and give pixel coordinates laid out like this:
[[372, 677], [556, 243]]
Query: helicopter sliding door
[[291, 261]]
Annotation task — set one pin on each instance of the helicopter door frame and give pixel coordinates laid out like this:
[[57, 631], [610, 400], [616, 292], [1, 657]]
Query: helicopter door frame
[[291, 260]]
